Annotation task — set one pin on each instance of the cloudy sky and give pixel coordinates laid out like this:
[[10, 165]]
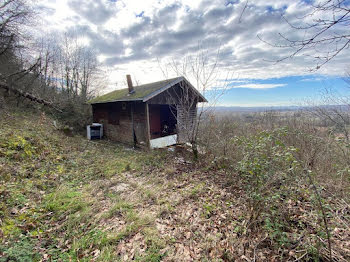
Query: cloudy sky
[[136, 36]]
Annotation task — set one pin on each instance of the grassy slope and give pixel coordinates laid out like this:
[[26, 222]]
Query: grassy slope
[[65, 198], [53, 203]]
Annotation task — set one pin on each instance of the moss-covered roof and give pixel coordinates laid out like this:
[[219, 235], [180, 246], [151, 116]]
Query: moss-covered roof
[[141, 92]]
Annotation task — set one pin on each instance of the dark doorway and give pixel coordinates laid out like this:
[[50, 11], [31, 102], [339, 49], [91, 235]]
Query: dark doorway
[[162, 120]]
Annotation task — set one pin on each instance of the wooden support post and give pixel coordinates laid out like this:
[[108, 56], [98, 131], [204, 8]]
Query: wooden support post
[[133, 124], [148, 136]]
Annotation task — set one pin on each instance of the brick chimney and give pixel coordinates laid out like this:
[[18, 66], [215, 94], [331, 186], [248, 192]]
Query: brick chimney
[[130, 86]]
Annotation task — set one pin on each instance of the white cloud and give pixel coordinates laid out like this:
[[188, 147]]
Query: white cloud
[[258, 86], [131, 34], [260, 104], [313, 79]]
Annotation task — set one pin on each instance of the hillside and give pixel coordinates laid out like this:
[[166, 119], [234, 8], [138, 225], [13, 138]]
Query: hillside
[[64, 198]]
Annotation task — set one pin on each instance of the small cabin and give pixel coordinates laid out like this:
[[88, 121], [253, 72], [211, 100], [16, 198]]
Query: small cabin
[[152, 115]]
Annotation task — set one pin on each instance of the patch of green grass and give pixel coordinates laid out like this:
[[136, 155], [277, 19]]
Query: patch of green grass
[[154, 159], [149, 195], [79, 221], [107, 254], [115, 167], [21, 250], [15, 197], [131, 216], [208, 209], [134, 224], [155, 244], [118, 209], [18, 147], [93, 239], [65, 200], [10, 228], [166, 208], [196, 190], [93, 244]]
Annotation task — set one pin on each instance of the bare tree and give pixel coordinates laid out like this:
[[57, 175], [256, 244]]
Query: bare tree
[[323, 32], [69, 74], [17, 72], [14, 14], [61, 73], [203, 70], [333, 110], [69, 67], [78, 68]]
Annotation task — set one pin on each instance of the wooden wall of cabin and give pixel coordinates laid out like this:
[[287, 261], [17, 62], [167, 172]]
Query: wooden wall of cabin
[[174, 95], [118, 120], [140, 124], [186, 123]]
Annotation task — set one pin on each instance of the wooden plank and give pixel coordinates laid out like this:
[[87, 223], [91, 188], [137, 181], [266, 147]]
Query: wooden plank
[[148, 135], [186, 122], [132, 124], [157, 92], [164, 141]]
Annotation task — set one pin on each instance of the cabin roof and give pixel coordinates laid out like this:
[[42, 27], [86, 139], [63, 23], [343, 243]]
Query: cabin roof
[[143, 92]]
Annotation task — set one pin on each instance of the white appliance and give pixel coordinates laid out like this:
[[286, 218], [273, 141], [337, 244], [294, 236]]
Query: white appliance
[[94, 131]]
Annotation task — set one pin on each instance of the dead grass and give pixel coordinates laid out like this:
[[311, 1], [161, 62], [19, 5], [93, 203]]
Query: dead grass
[[76, 200]]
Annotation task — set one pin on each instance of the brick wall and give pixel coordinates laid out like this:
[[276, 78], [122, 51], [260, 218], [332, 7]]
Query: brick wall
[[117, 121]]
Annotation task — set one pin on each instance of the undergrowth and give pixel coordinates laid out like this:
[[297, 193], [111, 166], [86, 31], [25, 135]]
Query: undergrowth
[[63, 198], [47, 209]]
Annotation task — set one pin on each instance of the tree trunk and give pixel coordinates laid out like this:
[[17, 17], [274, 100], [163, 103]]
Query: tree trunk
[[29, 96]]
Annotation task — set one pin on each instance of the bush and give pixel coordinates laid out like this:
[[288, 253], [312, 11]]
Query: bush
[[286, 165], [269, 171]]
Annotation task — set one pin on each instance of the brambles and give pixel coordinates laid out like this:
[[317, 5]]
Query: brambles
[[268, 170], [285, 165]]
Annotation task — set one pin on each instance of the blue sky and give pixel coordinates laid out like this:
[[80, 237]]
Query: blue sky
[[291, 90]]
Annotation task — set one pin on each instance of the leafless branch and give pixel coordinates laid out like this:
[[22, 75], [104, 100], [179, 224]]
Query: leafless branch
[[326, 35]]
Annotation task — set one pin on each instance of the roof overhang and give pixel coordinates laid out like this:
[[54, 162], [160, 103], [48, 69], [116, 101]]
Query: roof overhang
[[118, 100], [171, 84], [157, 92]]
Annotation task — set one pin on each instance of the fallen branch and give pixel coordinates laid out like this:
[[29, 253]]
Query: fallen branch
[[29, 96]]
